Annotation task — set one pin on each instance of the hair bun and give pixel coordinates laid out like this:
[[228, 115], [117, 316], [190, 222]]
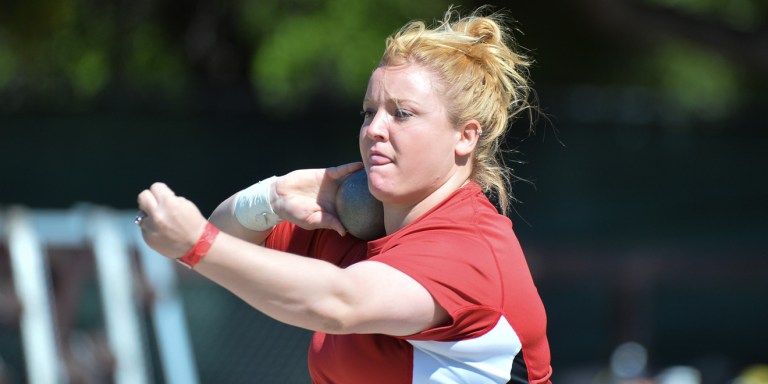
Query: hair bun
[[485, 30]]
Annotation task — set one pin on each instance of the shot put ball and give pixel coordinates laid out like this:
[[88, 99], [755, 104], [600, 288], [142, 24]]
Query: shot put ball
[[360, 213]]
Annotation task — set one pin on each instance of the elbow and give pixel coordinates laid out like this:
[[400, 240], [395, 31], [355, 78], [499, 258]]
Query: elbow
[[336, 318], [335, 323], [334, 326]]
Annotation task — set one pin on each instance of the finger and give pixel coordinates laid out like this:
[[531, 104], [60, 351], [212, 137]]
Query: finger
[[161, 192], [332, 223], [339, 229], [147, 201], [343, 170], [322, 219]]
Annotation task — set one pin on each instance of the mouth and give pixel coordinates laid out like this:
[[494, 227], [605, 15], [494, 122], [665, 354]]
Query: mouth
[[377, 158]]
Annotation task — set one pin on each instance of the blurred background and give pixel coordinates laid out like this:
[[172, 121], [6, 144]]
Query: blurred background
[[641, 208]]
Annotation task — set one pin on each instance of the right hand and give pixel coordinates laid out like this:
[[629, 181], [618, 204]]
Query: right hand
[[307, 197], [172, 223]]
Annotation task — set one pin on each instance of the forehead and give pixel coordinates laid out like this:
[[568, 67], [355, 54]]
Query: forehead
[[402, 82]]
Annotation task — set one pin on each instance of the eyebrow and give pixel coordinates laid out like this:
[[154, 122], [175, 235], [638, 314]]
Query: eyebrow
[[395, 100]]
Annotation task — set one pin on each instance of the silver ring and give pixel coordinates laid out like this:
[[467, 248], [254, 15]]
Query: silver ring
[[139, 217]]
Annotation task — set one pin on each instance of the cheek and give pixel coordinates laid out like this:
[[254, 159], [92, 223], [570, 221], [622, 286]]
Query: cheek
[[361, 133], [428, 148], [362, 143], [360, 136]]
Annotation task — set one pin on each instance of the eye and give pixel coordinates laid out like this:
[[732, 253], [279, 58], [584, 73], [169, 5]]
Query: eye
[[367, 114], [402, 114]]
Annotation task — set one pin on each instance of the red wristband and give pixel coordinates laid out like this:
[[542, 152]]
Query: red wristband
[[194, 255]]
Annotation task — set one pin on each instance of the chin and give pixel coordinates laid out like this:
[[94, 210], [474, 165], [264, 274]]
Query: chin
[[380, 188]]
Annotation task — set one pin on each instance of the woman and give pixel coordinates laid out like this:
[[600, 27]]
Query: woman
[[446, 296]]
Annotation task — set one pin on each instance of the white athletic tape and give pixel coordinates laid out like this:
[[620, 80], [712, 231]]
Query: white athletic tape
[[253, 209]]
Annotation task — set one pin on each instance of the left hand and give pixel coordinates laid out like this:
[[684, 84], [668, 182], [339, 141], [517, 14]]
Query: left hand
[[307, 197], [173, 224]]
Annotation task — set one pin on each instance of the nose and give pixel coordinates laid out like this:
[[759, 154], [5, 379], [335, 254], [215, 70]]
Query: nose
[[377, 127]]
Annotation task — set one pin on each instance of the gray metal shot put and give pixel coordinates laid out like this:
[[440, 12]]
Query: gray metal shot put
[[360, 213]]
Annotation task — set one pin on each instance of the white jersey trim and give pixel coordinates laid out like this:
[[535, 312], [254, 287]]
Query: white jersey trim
[[485, 359]]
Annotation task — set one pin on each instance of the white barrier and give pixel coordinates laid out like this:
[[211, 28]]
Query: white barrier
[[31, 280], [113, 237]]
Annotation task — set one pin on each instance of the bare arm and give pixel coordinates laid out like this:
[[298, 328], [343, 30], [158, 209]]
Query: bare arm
[[368, 297]]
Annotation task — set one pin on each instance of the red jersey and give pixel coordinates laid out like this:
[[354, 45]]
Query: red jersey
[[468, 257]]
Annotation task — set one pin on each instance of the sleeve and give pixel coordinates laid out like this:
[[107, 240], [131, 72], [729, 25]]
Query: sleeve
[[321, 244], [459, 270]]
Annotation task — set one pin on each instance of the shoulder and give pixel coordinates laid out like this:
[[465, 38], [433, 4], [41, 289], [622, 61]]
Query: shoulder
[[465, 216], [470, 205]]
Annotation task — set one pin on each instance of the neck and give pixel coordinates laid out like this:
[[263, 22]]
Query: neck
[[397, 216]]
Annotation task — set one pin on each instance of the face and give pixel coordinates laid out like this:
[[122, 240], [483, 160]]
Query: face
[[407, 141]]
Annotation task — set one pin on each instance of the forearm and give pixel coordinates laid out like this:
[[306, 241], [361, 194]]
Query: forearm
[[296, 290], [305, 198]]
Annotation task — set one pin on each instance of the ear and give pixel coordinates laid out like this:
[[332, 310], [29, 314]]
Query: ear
[[469, 135]]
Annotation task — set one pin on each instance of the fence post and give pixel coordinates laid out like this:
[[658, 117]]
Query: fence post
[[32, 283], [167, 313], [115, 274]]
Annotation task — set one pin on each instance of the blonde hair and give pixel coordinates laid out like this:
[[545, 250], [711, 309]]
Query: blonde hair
[[483, 78]]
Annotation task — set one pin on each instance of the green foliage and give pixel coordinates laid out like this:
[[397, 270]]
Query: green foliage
[[304, 45], [71, 50], [152, 62], [88, 73], [57, 50], [740, 14], [66, 53], [699, 82], [8, 63]]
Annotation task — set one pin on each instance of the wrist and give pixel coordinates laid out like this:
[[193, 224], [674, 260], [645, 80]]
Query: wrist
[[253, 206], [201, 247]]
